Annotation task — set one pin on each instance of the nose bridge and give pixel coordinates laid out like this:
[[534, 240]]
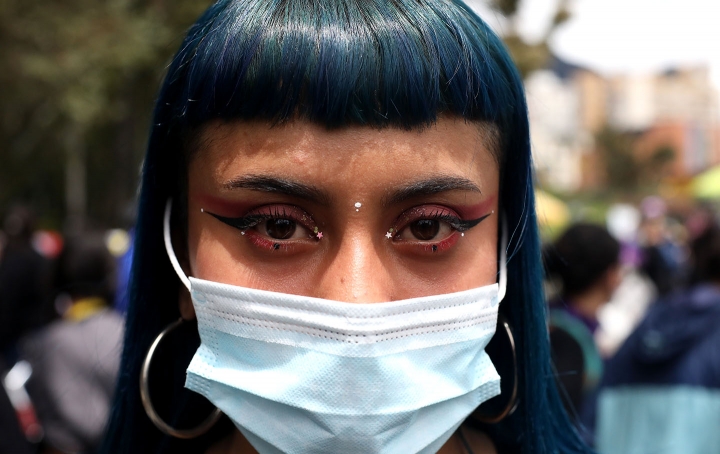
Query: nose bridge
[[356, 273]]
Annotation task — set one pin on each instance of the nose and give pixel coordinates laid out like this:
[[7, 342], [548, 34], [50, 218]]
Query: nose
[[356, 273]]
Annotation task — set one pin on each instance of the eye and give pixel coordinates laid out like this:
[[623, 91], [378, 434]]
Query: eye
[[276, 223], [282, 229], [430, 224], [425, 224], [427, 229]]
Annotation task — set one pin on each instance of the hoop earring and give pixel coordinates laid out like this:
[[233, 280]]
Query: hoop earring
[[147, 403], [496, 409]]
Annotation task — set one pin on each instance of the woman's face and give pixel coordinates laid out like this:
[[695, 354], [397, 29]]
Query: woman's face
[[357, 214]]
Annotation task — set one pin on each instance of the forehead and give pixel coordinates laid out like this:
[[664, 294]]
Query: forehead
[[349, 155]]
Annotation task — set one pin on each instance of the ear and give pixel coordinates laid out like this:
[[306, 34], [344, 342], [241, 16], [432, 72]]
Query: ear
[[613, 278], [187, 310]]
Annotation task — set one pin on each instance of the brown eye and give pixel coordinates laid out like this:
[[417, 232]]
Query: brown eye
[[280, 229], [425, 229]]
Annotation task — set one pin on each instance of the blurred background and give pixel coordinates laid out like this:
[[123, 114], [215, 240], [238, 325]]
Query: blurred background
[[623, 101], [625, 127]]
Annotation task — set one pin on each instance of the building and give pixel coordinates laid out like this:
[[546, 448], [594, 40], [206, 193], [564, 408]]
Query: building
[[672, 115]]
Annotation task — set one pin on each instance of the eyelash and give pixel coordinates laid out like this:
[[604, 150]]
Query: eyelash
[[439, 214], [253, 220], [248, 222], [461, 225]]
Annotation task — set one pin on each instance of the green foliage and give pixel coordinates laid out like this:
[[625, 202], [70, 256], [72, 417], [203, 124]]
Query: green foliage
[[625, 171], [529, 56], [87, 69], [506, 7], [616, 150], [78, 78]]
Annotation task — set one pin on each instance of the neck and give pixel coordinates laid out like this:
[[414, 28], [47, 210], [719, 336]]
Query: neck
[[480, 443], [83, 308], [588, 303]]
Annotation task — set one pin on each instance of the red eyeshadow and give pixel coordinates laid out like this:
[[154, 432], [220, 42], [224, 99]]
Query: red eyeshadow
[[478, 210]]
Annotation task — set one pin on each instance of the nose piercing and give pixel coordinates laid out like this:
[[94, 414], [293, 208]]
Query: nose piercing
[[357, 206]]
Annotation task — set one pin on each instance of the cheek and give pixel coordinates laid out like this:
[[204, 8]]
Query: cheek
[[479, 268], [209, 258], [472, 264]]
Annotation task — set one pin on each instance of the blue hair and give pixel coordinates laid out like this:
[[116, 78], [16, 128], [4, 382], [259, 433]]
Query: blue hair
[[380, 63]]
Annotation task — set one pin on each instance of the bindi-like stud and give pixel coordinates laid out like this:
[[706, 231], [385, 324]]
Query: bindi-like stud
[[357, 206], [202, 210], [388, 235], [319, 235], [462, 233], [242, 232]]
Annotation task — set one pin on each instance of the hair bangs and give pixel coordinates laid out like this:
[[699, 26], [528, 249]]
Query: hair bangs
[[365, 62]]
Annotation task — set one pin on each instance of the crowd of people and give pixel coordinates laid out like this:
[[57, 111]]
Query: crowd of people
[[659, 390], [61, 341]]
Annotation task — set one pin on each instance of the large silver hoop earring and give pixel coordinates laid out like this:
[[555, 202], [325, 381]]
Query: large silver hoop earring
[[499, 407], [147, 403]]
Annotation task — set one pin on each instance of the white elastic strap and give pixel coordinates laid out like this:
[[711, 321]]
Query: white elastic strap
[[169, 248], [502, 280]]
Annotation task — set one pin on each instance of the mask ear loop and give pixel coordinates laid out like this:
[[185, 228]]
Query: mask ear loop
[[502, 262], [145, 371], [169, 248], [497, 409]]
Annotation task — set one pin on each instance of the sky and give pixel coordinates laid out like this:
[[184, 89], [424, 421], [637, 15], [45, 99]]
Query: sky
[[625, 36]]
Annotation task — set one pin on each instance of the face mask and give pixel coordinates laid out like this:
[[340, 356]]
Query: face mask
[[306, 375]]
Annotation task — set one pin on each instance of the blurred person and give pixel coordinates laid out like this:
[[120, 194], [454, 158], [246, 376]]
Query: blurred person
[[24, 282], [629, 303], [75, 359], [585, 260], [661, 391], [13, 437], [661, 257]]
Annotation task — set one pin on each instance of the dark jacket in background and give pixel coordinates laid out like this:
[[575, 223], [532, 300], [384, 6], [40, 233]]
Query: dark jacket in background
[[24, 294], [661, 391]]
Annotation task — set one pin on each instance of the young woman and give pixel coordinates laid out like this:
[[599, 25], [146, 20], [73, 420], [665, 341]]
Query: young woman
[[336, 179]]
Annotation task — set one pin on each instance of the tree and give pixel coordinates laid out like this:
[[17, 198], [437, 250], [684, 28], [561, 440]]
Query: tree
[[77, 84], [615, 148], [77, 81], [528, 56], [624, 168]]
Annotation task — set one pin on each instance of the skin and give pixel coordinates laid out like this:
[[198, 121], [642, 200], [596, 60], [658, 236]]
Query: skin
[[354, 261], [589, 302]]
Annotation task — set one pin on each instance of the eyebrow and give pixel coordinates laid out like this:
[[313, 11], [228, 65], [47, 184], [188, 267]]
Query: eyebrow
[[265, 183], [426, 187], [430, 186]]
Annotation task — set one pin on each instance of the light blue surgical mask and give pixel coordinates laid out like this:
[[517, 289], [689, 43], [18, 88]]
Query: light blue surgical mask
[[306, 375]]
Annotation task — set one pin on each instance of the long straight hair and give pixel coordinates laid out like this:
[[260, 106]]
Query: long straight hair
[[378, 63]]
